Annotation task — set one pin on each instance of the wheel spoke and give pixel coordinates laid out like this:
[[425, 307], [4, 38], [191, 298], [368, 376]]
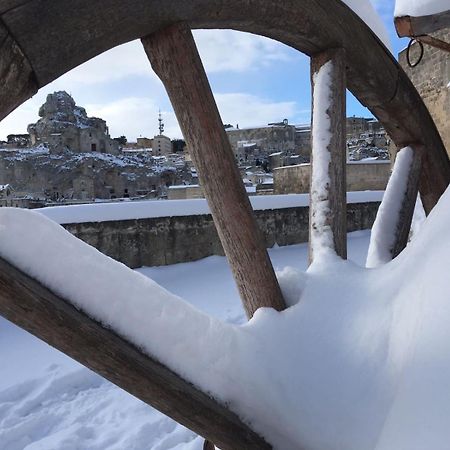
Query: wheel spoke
[[328, 206], [174, 57], [391, 228]]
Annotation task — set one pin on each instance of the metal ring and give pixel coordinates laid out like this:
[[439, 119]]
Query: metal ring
[[408, 53]]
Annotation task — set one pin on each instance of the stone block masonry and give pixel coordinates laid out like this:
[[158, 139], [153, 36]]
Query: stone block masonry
[[431, 78], [161, 241], [371, 176]]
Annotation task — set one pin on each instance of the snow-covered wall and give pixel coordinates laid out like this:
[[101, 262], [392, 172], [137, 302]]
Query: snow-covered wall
[[157, 241]]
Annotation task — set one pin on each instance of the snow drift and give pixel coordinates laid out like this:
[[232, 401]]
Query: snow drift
[[359, 361]]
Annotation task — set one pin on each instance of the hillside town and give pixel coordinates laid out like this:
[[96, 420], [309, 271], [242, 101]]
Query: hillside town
[[67, 157]]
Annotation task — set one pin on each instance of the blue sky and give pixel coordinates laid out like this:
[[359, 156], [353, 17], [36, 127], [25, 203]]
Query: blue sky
[[255, 81]]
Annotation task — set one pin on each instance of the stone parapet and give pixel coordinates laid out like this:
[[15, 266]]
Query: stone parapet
[[162, 241]]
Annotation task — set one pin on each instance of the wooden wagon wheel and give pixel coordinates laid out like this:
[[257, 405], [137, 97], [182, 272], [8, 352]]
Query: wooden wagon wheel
[[41, 40]]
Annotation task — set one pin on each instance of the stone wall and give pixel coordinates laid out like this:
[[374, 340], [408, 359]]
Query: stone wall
[[269, 139], [360, 177], [170, 240], [183, 192], [431, 79], [83, 176], [303, 142]]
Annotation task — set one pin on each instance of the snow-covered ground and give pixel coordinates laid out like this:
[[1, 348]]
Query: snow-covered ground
[[365, 351], [50, 402]]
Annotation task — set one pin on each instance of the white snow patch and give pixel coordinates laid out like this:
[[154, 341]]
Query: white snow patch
[[321, 234], [101, 212], [359, 363], [418, 8], [367, 12], [384, 228], [418, 219], [70, 404]]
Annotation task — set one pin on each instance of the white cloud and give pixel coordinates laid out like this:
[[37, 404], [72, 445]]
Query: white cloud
[[18, 120], [94, 86], [250, 110], [115, 64], [134, 116], [138, 116], [221, 51], [227, 50]]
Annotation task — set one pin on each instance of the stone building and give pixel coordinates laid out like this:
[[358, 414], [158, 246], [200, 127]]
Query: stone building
[[183, 192], [144, 142], [162, 145], [67, 176], [431, 77], [260, 142], [282, 144], [72, 157], [63, 124], [361, 176], [303, 140]]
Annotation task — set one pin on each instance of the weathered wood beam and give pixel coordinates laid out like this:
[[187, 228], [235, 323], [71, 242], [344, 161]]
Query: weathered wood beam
[[36, 309], [409, 202], [174, 57], [396, 217], [328, 205], [434, 42], [17, 77], [409, 26]]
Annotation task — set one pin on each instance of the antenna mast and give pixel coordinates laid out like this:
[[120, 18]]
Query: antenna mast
[[161, 124]]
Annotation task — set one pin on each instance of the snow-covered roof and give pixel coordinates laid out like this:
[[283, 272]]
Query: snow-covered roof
[[420, 7], [258, 127], [370, 160], [184, 186], [136, 150]]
